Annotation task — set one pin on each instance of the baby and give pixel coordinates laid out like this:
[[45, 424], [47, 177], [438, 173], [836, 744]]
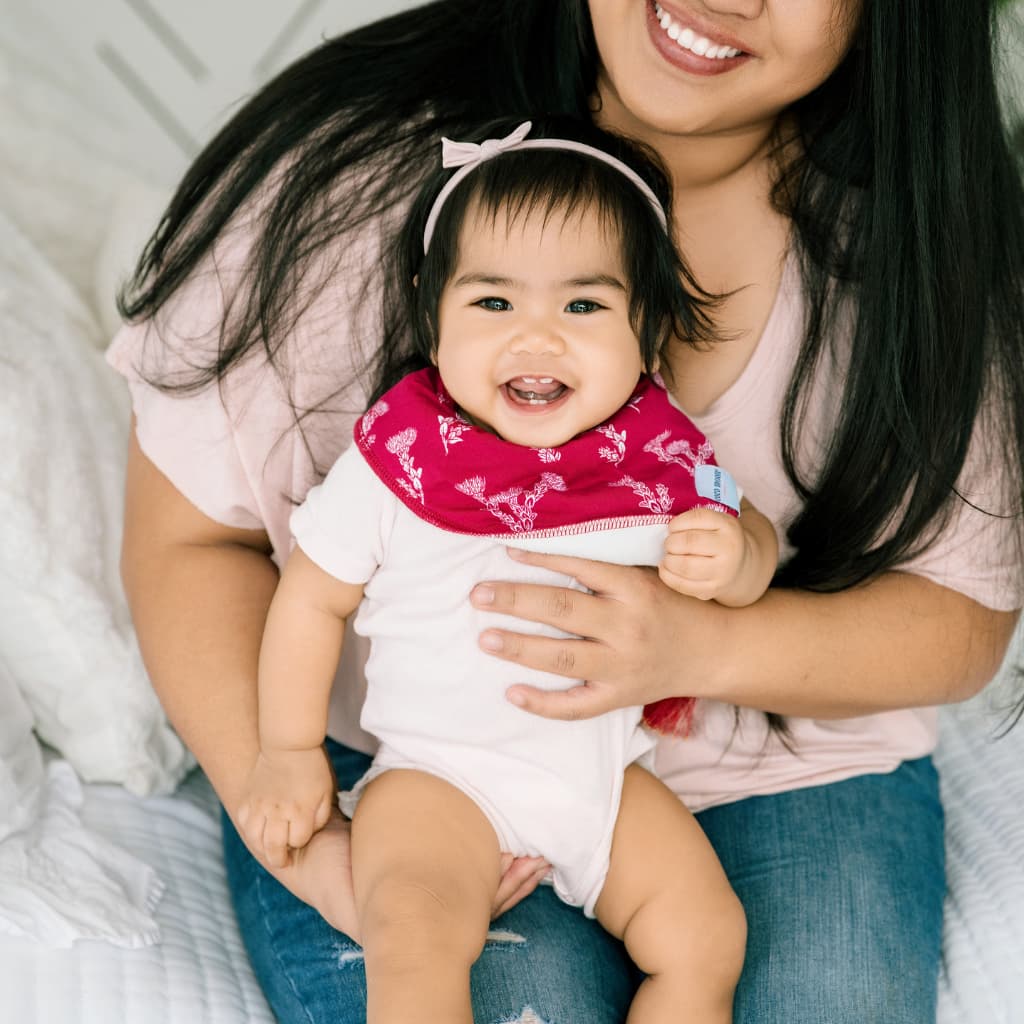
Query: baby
[[547, 288]]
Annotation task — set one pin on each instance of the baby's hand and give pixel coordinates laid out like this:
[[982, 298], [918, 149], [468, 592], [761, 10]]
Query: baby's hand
[[705, 553], [288, 797]]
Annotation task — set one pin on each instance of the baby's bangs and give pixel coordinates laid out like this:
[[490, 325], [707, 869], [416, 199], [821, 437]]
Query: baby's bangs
[[556, 185]]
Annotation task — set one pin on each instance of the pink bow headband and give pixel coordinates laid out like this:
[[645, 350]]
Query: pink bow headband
[[467, 156]]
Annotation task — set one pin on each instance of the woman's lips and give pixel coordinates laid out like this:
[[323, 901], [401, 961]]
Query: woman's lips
[[681, 45]]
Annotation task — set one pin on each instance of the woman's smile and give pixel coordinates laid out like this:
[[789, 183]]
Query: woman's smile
[[691, 46], [723, 68]]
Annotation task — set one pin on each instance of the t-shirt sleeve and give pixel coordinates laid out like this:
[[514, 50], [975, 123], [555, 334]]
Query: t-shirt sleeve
[[187, 434], [189, 439], [978, 552], [975, 556], [234, 447], [345, 523]]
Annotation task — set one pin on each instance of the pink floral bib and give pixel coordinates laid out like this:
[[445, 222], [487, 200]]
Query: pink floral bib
[[645, 465]]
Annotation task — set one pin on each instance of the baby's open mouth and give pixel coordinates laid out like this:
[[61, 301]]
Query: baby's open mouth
[[535, 390]]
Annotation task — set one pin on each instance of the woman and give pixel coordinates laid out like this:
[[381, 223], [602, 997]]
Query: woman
[[841, 176]]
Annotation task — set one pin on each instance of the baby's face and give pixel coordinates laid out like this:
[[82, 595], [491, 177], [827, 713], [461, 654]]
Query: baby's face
[[535, 341]]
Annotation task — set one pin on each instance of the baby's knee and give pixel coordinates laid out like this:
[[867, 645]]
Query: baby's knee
[[403, 918], [720, 936], [695, 936]]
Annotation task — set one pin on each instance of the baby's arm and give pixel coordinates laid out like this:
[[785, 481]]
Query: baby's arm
[[291, 788], [714, 556]]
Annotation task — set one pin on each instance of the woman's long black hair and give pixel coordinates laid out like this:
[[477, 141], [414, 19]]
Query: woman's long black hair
[[908, 202], [379, 97]]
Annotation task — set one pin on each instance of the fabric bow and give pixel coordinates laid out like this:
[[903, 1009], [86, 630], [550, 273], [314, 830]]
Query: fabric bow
[[460, 154]]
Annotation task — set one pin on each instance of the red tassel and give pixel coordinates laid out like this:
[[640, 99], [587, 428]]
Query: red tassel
[[672, 716]]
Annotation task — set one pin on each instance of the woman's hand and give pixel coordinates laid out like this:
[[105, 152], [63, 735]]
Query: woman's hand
[[633, 631], [897, 641], [519, 877], [320, 874]]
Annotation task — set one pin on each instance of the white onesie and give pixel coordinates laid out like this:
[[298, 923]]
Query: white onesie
[[437, 703]]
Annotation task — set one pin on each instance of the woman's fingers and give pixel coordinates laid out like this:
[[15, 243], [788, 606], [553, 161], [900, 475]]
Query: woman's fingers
[[573, 611], [576, 659], [552, 604], [587, 700], [519, 877], [320, 874], [632, 639], [605, 624], [600, 577]]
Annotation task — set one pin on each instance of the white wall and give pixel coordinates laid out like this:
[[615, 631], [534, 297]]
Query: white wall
[[173, 69]]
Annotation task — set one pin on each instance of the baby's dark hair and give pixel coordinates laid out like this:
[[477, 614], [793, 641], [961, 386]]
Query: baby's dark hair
[[664, 299]]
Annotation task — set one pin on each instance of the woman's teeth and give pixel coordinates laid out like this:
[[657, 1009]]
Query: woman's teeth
[[689, 40]]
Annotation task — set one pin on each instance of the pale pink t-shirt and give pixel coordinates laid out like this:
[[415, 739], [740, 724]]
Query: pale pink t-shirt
[[232, 453]]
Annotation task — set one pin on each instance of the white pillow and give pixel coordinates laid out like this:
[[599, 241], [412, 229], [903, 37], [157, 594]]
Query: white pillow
[[65, 632], [59, 880], [21, 760]]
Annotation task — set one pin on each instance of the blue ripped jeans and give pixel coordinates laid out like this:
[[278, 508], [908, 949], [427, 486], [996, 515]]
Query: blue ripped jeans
[[843, 887]]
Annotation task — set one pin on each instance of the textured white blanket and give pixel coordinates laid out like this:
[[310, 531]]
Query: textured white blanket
[[983, 793]]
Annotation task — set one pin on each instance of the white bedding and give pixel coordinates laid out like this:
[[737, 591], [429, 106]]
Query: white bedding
[[71, 183], [196, 974], [983, 793]]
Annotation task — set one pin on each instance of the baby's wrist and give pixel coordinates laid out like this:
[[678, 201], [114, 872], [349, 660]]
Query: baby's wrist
[[746, 585]]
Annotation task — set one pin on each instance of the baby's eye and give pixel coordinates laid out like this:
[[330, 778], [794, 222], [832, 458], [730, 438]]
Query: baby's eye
[[583, 306], [494, 304]]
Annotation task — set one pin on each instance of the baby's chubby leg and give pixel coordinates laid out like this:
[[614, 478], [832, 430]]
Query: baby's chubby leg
[[426, 866], [668, 899]]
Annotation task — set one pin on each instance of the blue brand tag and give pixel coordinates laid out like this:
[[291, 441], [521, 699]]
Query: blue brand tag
[[713, 482]]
